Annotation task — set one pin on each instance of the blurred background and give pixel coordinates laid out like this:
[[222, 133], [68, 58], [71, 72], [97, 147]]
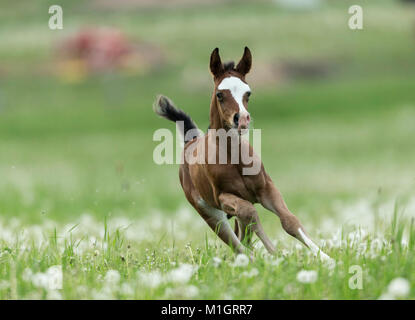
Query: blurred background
[[336, 106]]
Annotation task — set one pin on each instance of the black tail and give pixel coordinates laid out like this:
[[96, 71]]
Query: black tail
[[165, 108]]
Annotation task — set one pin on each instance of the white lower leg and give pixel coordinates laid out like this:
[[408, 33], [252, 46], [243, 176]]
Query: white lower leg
[[313, 247]]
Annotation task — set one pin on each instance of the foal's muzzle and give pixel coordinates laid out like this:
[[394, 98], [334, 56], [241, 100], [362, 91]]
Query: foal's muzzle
[[241, 121]]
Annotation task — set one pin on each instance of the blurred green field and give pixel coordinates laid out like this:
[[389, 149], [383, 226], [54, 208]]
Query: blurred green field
[[70, 149]]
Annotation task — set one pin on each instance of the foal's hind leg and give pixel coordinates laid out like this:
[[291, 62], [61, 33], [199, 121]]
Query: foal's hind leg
[[218, 222], [243, 231], [215, 218], [247, 214], [272, 199]]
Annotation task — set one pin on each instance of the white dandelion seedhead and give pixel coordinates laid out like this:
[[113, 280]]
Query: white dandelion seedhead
[[251, 274], [182, 274], [241, 260], [399, 288], [112, 277], [216, 261], [151, 279], [307, 276], [50, 280]]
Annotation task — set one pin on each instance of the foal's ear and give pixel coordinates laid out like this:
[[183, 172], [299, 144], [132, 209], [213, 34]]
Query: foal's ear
[[245, 63], [216, 66]]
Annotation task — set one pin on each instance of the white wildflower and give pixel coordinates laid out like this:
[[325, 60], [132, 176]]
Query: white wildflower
[[399, 288], [112, 277], [55, 276], [330, 264], [182, 274], [50, 280], [386, 296], [241, 260], [216, 261], [151, 279], [252, 273], [104, 294], [307, 276], [40, 280], [191, 291], [127, 289]]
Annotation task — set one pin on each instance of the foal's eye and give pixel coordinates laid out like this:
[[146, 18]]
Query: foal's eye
[[219, 95], [248, 94]]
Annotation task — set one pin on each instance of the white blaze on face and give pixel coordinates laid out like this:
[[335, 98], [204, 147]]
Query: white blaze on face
[[237, 88]]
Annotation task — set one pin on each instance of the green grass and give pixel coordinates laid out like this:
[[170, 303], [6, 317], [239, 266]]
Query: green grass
[[79, 188], [153, 261]]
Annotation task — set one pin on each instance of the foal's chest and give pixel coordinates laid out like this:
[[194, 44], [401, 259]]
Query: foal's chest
[[212, 180]]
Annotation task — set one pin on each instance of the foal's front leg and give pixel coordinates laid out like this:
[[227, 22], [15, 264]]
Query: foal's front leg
[[272, 200], [247, 214]]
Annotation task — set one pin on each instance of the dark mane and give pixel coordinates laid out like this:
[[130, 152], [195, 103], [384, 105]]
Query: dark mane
[[229, 66]]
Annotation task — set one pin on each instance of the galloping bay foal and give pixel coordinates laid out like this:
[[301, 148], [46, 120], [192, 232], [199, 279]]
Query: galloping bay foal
[[219, 191]]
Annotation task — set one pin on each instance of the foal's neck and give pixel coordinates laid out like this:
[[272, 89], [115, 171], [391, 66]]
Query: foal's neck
[[215, 120], [216, 124]]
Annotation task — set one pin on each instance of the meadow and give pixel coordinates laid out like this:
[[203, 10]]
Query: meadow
[[85, 213]]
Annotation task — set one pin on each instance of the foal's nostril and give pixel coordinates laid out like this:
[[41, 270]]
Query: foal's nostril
[[236, 118]]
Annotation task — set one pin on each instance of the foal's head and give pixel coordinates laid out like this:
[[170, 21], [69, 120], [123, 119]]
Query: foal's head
[[231, 94]]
